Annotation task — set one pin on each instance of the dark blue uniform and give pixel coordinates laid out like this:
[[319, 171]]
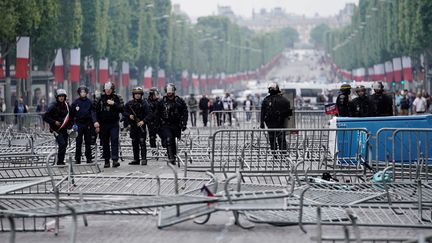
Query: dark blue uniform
[[141, 111], [173, 114], [59, 112], [108, 117], [153, 123], [81, 110]]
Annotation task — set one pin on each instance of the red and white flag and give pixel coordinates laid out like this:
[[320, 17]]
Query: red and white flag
[[75, 65], [203, 81], [148, 78], [185, 79], [22, 57], [195, 81], [397, 69], [379, 72], [59, 67], [89, 68], [125, 74], [103, 70], [407, 68], [161, 79], [2, 70], [371, 74], [389, 71]]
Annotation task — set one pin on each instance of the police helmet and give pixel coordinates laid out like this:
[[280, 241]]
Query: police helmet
[[170, 88], [273, 87], [109, 85], [345, 87], [154, 91], [81, 88], [360, 88], [378, 86], [138, 90], [61, 92]]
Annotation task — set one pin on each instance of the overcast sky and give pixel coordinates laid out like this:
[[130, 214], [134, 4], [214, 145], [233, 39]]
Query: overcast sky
[[196, 8]]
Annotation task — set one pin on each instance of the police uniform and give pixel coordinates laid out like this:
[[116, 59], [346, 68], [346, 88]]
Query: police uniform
[[140, 110], [173, 114], [275, 110], [108, 117], [81, 110], [59, 112], [361, 107], [343, 102], [153, 123], [382, 104]]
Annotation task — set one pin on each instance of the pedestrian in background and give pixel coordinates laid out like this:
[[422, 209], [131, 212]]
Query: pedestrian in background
[[192, 104], [204, 107], [419, 104]]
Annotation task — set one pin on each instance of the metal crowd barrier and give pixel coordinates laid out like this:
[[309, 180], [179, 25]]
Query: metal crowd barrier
[[26, 122]]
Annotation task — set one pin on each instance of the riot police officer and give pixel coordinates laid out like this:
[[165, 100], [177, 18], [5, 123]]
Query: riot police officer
[[137, 111], [153, 123], [342, 101], [173, 114], [361, 105], [81, 110], [382, 104], [58, 118], [106, 116], [275, 111]]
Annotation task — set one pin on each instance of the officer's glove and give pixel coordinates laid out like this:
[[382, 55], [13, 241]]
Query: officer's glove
[[262, 126], [75, 128]]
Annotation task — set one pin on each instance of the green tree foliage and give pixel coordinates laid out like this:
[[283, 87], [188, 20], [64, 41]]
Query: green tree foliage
[[381, 30], [318, 34]]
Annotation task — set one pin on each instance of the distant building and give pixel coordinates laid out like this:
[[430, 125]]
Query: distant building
[[226, 11]]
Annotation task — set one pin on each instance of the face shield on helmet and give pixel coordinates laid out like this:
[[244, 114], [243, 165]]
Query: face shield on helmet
[[154, 93], [360, 90], [137, 92], [170, 89], [273, 87], [345, 89], [377, 86]]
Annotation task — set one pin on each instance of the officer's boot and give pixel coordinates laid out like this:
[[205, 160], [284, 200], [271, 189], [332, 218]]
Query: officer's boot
[[135, 148], [116, 163], [143, 154], [171, 154], [107, 163]]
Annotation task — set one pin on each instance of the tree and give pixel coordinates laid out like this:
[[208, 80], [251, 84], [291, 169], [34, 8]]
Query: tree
[[318, 33]]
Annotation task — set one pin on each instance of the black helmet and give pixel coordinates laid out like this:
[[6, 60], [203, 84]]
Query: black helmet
[[138, 90], [345, 87], [154, 91], [109, 85], [170, 88], [60, 92], [360, 88], [82, 88]]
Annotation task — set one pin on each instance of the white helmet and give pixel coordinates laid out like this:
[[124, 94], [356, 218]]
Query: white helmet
[[273, 86], [60, 92], [377, 86], [109, 85]]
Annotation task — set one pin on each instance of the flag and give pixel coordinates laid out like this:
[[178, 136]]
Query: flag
[[125, 74], [397, 69], [161, 79], [379, 71], [2, 71], [407, 68], [371, 74], [195, 81], [389, 71], [103, 70], [75, 65], [58, 67], [22, 57], [185, 79], [148, 78]]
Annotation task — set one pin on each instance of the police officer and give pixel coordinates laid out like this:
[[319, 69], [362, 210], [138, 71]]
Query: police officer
[[106, 116], [361, 105], [58, 118], [275, 110], [137, 111], [382, 104], [153, 123], [342, 101], [173, 114], [81, 110]]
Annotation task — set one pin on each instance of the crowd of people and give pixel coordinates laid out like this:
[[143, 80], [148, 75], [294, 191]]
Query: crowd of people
[[380, 103]]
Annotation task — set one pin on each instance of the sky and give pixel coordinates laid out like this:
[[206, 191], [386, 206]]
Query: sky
[[197, 8]]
